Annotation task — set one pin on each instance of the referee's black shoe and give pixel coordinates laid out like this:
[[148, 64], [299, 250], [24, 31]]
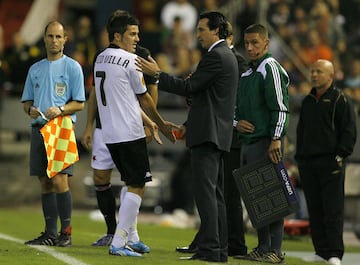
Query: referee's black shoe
[[188, 249]]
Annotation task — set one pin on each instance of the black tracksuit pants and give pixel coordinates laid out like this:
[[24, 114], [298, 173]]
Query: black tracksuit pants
[[323, 184]]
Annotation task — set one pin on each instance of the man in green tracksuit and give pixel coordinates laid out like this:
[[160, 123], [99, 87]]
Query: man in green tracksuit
[[262, 111]]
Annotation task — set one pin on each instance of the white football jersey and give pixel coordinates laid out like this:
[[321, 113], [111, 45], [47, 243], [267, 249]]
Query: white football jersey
[[117, 82]]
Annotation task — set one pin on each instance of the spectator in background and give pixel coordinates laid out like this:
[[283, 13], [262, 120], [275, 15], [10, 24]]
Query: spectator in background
[[182, 11], [326, 135], [2, 73], [1, 40], [315, 49], [328, 23], [84, 47], [176, 38], [247, 16], [276, 44], [17, 59], [352, 79], [84, 39], [210, 5], [70, 46], [279, 14], [300, 30], [182, 63], [352, 82]]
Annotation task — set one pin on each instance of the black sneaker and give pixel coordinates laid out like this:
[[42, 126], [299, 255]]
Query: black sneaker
[[64, 239], [273, 257], [44, 239], [255, 255]]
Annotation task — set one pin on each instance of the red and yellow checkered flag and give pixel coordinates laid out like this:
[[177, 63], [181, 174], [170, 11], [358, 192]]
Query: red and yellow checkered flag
[[60, 144]]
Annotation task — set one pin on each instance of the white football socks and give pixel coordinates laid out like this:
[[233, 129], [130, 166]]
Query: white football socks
[[129, 209]]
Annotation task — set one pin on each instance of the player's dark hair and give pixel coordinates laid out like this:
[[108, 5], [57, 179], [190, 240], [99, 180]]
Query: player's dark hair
[[118, 23], [216, 20], [257, 28]]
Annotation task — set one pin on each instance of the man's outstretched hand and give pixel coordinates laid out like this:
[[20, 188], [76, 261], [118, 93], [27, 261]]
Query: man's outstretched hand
[[167, 130], [149, 66]]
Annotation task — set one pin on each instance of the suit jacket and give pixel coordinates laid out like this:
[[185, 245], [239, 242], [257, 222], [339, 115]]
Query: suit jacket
[[212, 88], [243, 66]]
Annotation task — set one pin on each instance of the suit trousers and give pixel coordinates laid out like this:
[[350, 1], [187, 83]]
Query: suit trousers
[[323, 184], [234, 209], [208, 173]]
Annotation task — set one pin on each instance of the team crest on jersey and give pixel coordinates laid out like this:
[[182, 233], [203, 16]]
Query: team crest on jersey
[[60, 89]]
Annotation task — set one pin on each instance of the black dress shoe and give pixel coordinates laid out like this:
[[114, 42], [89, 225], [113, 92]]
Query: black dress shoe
[[202, 258], [188, 249]]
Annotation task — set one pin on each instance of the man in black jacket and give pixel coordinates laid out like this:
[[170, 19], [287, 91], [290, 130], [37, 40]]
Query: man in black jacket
[[234, 209], [326, 135], [212, 88]]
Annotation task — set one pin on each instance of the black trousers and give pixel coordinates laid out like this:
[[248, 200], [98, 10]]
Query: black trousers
[[234, 210], [208, 175], [323, 184]]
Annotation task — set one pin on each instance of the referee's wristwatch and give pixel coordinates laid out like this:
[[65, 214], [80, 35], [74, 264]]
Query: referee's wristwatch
[[338, 159], [157, 75], [62, 109]]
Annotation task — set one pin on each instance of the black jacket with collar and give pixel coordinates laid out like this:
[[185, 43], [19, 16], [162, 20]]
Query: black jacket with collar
[[212, 88], [326, 126]]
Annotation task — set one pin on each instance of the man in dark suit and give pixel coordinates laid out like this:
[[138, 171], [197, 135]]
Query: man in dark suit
[[234, 209], [212, 88]]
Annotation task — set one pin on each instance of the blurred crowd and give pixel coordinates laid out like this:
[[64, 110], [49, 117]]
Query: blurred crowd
[[302, 31], [326, 29]]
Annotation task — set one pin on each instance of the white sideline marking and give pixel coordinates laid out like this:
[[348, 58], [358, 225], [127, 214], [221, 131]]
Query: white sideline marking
[[51, 251]]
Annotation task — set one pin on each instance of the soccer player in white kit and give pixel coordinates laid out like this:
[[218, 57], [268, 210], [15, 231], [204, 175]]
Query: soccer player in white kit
[[119, 89], [102, 163]]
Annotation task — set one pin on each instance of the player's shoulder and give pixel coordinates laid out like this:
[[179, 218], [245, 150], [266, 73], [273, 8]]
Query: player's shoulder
[[39, 63], [72, 64], [39, 66], [142, 51], [68, 59]]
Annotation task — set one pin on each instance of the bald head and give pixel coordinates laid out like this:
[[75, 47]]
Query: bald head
[[322, 74], [54, 23], [326, 65]]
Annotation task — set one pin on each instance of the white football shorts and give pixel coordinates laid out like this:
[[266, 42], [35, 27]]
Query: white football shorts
[[101, 158]]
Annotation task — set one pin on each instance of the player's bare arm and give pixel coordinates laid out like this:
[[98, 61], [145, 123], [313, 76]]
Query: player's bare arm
[[149, 108]]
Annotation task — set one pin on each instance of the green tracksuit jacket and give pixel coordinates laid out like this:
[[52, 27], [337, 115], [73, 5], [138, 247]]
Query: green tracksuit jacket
[[263, 100]]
